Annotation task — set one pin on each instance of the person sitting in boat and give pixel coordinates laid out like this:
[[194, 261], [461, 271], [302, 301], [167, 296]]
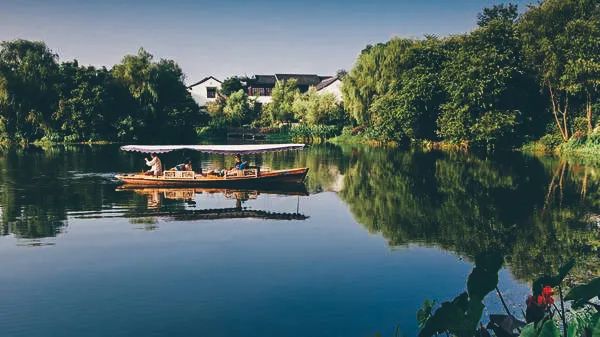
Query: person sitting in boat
[[155, 165], [185, 166], [239, 165]]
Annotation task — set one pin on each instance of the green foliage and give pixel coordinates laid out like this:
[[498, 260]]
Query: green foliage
[[394, 88], [29, 75], [483, 78], [236, 107], [313, 108], [482, 88], [231, 85], [313, 132], [89, 103], [561, 42], [139, 99], [425, 312], [165, 111], [552, 281], [281, 107], [545, 328], [214, 108], [504, 12], [585, 292]]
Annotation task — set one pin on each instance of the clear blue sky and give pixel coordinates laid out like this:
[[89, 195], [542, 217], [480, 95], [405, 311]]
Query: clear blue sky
[[228, 37]]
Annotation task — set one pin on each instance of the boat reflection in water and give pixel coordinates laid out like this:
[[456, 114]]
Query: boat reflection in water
[[186, 207]]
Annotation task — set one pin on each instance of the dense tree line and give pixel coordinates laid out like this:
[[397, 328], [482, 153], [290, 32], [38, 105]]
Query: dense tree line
[[138, 99], [512, 79]]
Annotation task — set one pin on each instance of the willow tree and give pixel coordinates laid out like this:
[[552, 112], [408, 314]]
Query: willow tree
[[28, 96], [394, 88], [283, 94], [164, 108]]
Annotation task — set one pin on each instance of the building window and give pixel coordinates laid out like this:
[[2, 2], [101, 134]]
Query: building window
[[260, 92], [211, 92]]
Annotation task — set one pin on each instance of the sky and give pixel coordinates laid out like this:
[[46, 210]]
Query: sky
[[232, 37]]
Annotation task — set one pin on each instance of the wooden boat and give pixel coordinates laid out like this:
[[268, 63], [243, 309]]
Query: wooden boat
[[252, 176]]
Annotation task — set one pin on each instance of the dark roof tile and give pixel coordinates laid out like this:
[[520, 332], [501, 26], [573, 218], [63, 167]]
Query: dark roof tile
[[326, 82], [203, 80]]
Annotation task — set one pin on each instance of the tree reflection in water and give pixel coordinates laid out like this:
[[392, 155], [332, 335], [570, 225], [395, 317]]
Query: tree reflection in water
[[533, 212]]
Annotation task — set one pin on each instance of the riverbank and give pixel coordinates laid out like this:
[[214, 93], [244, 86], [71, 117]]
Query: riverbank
[[586, 148]]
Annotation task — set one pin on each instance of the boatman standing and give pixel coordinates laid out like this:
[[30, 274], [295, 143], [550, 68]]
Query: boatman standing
[[155, 165]]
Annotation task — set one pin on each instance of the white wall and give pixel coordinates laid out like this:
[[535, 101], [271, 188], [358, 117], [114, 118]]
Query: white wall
[[263, 99], [334, 88], [199, 91]]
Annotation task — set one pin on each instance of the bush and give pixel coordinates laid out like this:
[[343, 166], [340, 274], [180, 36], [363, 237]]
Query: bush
[[216, 128], [551, 141], [313, 108], [314, 132], [494, 128]]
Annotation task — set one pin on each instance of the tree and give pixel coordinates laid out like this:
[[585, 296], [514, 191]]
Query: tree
[[560, 40], [282, 96], [231, 85], [28, 89], [401, 78], [164, 108], [376, 71], [484, 79], [506, 12], [89, 102], [313, 108], [341, 73], [582, 71], [236, 107]]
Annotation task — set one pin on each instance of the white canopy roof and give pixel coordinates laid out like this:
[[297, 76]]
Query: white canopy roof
[[222, 149]]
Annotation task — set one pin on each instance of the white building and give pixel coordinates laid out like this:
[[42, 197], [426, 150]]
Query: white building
[[261, 86], [205, 90], [331, 85]]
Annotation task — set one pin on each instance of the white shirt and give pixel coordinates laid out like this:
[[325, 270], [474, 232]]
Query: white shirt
[[156, 165]]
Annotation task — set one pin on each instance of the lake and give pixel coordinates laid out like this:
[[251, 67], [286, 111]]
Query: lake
[[374, 233]]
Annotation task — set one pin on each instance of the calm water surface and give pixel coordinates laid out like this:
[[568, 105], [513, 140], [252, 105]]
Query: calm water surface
[[375, 233]]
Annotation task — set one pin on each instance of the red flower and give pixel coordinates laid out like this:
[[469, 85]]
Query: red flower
[[541, 300], [547, 292]]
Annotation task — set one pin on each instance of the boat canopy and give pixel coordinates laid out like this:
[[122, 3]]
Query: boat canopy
[[219, 149]]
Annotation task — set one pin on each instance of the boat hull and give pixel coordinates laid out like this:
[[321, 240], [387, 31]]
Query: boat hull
[[291, 176]]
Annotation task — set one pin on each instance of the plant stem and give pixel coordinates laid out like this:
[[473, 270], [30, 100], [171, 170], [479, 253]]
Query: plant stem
[[503, 303], [557, 310], [562, 308]]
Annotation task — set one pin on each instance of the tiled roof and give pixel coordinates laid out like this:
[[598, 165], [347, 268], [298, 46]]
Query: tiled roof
[[262, 79], [203, 80], [303, 79], [326, 82]]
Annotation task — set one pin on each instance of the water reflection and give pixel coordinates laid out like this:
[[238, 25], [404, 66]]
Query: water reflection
[[536, 212], [175, 203]]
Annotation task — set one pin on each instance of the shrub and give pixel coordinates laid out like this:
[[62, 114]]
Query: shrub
[[494, 128], [551, 140], [313, 132]]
